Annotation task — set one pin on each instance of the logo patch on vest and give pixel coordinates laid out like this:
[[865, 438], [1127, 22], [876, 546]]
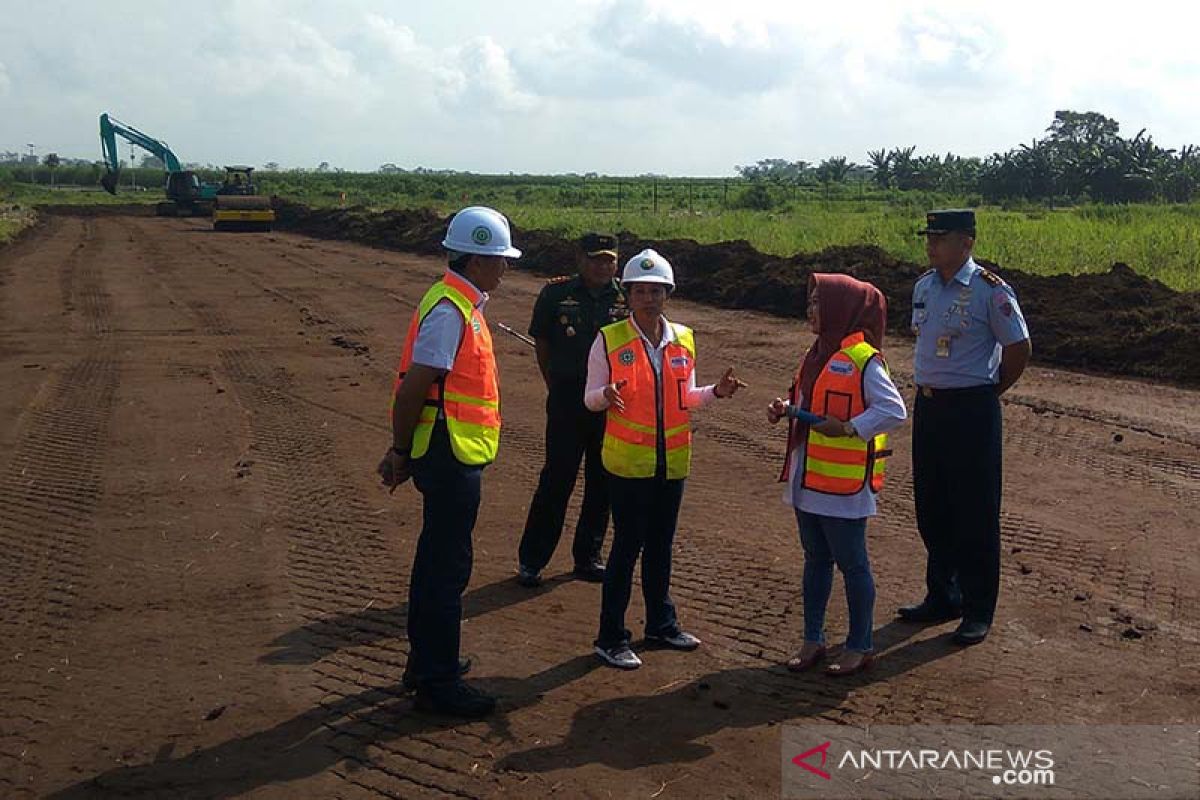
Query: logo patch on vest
[[626, 357], [679, 361], [475, 325], [841, 368]]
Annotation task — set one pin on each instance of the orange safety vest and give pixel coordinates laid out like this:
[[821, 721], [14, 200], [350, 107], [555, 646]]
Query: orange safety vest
[[654, 407], [840, 465], [469, 394]]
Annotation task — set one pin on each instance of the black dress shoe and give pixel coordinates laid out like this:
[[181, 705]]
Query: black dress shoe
[[969, 633], [529, 578], [457, 699], [927, 612], [410, 681], [592, 573]]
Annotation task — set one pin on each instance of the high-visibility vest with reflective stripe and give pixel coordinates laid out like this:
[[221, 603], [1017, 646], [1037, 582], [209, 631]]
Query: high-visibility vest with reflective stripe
[[653, 407], [469, 394], [843, 465]]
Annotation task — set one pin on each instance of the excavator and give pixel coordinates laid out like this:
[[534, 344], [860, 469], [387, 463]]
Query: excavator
[[233, 204]]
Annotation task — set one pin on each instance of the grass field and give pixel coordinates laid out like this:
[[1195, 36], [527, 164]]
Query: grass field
[[1161, 241], [13, 219]]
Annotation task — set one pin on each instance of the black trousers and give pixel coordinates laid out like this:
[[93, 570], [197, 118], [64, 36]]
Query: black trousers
[[957, 460], [572, 433], [645, 514], [442, 566]]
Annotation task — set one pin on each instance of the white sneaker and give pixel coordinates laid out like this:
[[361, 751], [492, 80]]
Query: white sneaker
[[680, 640], [620, 657]]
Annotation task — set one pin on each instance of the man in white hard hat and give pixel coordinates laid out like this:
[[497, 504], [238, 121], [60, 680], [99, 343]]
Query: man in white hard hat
[[445, 430], [642, 373]]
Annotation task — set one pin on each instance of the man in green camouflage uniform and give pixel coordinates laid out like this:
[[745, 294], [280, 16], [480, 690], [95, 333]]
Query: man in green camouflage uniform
[[568, 314]]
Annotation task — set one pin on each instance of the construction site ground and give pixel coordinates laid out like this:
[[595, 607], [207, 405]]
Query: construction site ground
[[202, 584]]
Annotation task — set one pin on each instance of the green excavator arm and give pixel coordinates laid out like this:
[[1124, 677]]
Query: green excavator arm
[[110, 129]]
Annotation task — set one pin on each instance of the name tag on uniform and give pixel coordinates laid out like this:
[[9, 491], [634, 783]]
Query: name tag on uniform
[[679, 361], [943, 347]]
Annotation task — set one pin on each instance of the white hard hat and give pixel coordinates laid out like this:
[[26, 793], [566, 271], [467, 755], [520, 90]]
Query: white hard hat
[[648, 267], [482, 231]]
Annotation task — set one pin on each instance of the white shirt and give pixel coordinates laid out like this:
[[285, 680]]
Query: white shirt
[[885, 411], [441, 332], [599, 375]]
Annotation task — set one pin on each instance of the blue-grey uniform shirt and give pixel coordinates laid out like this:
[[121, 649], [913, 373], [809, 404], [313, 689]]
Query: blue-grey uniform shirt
[[961, 326]]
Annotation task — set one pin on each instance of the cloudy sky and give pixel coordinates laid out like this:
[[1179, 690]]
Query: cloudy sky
[[683, 87]]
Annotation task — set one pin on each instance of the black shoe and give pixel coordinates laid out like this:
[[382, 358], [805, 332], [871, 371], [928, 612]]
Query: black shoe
[[679, 640], [592, 573], [457, 699], [926, 611], [529, 578], [410, 681], [969, 633]]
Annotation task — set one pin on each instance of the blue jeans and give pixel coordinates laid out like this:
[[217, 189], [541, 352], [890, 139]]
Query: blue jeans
[[826, 541]]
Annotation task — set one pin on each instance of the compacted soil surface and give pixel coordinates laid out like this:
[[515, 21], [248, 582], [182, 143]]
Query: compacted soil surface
[[203, 586]]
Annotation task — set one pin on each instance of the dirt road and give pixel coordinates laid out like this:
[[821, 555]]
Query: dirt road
[[203, 586]]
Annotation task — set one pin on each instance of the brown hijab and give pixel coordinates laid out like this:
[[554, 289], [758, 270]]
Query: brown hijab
[[846, 305]]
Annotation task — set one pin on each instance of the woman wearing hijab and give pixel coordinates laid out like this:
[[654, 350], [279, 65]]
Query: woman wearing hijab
[[842, 404]]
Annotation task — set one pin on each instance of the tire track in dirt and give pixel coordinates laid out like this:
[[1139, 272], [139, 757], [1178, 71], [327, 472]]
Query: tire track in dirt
[[741, 603], [1054, 564], [1174, 477], [736, 635], [49, 491], [1060, 562], [334, 542]]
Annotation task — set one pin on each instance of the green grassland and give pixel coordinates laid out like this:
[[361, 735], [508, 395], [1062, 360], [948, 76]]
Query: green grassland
[[14, 219], [1158, 240]]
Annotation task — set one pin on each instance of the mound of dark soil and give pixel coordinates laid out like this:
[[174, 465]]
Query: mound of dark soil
[[1117, 321], [110, 210]]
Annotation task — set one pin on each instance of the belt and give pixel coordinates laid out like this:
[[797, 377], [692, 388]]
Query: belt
[[929, 391]]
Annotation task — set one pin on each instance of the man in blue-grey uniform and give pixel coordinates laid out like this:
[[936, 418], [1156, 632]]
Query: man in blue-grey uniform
[[972, 346]]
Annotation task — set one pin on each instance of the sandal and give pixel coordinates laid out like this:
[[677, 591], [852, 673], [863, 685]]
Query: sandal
[[838, 670], [800, 663]]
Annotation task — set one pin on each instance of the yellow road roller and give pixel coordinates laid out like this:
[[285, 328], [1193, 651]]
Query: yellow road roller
[[239, 207]]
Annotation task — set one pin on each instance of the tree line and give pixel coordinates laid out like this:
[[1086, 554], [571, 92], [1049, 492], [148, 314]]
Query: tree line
[[1082, 157]]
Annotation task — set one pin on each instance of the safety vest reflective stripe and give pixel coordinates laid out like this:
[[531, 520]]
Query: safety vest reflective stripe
[[634, 431], [469, 394], [843, 465], [653, 408], [836, 455]]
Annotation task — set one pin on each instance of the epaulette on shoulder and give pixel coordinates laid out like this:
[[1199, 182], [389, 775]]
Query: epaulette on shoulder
[[558, 279], [991, 278]]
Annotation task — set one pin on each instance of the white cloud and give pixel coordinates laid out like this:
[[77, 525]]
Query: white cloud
[[619, 86], [488, 83], [734, 56]]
